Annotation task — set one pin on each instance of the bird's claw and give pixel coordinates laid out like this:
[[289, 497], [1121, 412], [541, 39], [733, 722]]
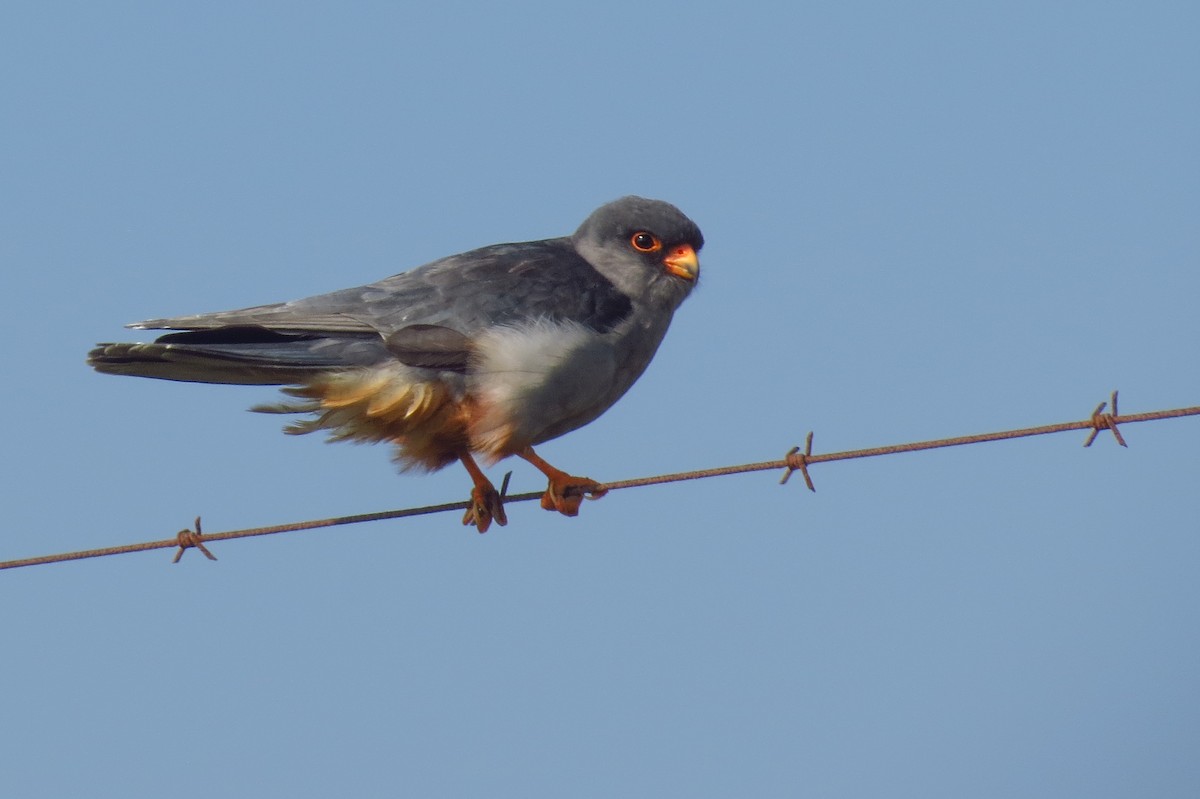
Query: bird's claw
[[565, 494], [486, 505]]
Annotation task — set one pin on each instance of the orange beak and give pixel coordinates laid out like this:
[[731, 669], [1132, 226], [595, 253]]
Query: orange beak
[[682, 262]]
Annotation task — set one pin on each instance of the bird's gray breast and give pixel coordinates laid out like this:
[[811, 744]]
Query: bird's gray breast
[[542, 379]]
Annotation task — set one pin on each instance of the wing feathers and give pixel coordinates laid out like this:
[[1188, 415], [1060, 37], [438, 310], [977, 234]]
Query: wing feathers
[[240, 355]]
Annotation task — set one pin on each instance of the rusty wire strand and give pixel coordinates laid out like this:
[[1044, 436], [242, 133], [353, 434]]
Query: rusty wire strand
[[794, 460]]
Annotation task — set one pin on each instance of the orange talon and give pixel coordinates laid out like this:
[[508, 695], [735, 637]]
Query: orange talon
[[486, 503], [566, 492]]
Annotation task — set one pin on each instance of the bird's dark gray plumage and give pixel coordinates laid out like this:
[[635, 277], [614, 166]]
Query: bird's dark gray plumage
[[490, 351]]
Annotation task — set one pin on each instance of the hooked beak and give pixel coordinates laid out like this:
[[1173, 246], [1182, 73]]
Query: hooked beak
[[682, 262]]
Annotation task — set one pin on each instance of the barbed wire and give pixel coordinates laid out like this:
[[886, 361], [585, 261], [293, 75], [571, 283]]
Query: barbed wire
[[795, 460]]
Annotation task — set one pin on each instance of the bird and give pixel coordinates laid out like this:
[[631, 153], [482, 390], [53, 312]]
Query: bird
[[485, 354]]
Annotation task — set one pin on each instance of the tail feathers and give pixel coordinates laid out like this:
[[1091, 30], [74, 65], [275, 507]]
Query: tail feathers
[[345, 384], [238, 355]]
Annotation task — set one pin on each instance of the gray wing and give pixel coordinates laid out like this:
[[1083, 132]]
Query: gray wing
[[497, 285], [424, 317], [246, 355]]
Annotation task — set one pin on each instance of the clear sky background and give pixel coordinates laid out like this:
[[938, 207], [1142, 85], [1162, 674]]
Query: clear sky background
[[923, 220]]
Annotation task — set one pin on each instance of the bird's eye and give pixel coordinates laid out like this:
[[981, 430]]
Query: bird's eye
[[645, 242]]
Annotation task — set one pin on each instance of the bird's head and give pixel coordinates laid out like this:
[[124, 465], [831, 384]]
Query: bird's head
[[647, 248]]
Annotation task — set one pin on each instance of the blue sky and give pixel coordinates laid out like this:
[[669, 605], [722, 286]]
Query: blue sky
[[923, 220]]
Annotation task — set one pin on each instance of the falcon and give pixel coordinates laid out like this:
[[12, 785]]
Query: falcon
[[487, 353]]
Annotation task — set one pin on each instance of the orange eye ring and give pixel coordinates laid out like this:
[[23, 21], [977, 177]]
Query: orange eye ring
[[645, 242]]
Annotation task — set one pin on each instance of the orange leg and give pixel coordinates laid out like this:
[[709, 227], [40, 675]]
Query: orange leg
[[565, 492], [486, 503]]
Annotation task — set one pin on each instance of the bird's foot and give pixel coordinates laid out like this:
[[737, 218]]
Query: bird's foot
[[486, 505], [566, 493]]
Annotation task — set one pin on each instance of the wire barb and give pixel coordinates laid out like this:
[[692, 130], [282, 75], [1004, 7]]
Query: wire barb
[[798, 461], [1105, 421], [192, 538]]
